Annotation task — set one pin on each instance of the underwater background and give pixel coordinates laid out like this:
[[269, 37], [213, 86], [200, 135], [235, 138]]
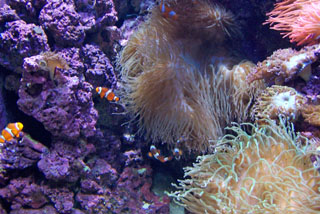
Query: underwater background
[[159, 106]]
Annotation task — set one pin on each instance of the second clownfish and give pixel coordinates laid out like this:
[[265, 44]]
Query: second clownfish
[[154, 152], [167, 12], [12, 130], [107, 93]]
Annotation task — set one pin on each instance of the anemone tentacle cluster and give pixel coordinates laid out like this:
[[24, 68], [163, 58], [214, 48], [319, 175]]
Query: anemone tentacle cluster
[[297, 19], [177, 78], [262, 172]]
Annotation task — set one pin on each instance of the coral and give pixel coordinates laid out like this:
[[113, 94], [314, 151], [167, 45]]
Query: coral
[[69, 21], [298, 19], [311, 114], [278, 101], [48, 61], [7, 15], [103, 173], [21, 153], [28, 10], [63, 22], [21, 40], [45, 209], [23, 192], [65, 161], [98, 69], [263, 172], [64, 106], [61, 197], [285, 64], [169, 66], [131, 194], [18, 154]]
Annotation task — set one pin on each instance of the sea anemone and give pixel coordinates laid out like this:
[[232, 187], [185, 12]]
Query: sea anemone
[[278, 100], [286, 64], [175, 77], [263, 172], [299, 19]]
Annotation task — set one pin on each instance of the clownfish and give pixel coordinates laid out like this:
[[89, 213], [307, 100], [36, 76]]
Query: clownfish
[[107, 93], [177, 153], [167, 12], [12, 130], [154, 152]]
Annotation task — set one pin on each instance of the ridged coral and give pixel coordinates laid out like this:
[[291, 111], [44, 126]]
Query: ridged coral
[[174, 76], [278, 100], [285, 64], [263, 172], [298, 19]]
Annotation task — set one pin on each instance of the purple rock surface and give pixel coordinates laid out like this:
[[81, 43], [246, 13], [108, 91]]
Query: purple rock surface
[[21, 40], [64, 105], [63, 22]]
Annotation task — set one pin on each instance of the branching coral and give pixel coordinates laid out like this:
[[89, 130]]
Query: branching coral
[[285, 64], [299, 19], [174, 78], [278, 100], [264, 172]]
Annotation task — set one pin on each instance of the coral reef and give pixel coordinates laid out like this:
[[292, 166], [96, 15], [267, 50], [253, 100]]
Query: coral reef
[[278, 101], [23, 192], [169, 68], [50, 101], [183, 80], [264, 171], [131, 195], [21, 40], [298, 19], [285, 64], [98, 68], [63, 21]]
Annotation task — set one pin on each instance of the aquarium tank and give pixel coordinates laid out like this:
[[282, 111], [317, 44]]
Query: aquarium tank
[[159, 106]]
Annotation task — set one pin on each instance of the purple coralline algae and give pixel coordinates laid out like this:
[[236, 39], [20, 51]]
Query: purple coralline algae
[[19, 154], [20, 40], [64, 106], [7, 15], [98, 68], [64, 162], [61, 197], [131, 194], [46, 209], [63, 22], [27, 9], [22, 192]]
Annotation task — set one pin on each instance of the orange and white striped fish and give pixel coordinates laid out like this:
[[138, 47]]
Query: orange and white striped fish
[[154, 152], [107, 93], [12, 130], [167, 11]]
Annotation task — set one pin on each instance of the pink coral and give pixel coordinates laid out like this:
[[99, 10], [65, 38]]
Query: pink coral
[[299, 19]]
